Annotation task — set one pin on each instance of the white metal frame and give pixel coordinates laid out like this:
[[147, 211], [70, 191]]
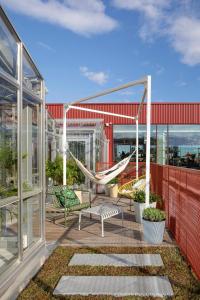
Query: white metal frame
[[146, 82]]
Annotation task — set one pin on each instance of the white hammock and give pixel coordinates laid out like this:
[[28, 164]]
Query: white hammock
[[113, 172]]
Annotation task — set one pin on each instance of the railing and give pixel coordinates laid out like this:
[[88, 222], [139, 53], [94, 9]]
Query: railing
[[180, 189]]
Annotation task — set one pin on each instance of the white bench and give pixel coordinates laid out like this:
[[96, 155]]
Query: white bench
[[105, 211]]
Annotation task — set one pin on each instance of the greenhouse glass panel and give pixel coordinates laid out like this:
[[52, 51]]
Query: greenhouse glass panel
[[8, 235], [31, 144], [31, 80], [31, 228], [8, 51], [8, 140]]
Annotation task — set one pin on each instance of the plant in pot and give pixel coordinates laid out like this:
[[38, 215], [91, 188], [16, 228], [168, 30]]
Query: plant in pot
[[113, 187], [140, 205], [153, 225]]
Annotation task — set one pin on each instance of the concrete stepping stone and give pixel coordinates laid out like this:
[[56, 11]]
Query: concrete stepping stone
[[118, 286], [118, 260]]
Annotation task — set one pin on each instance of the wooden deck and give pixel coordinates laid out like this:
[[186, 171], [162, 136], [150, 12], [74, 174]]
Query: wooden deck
[[130, 234]]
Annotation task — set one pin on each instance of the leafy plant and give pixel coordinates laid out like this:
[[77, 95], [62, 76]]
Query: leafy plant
[[139, 196], [154, 214], [113, 181], [54, 170], [155, 198]]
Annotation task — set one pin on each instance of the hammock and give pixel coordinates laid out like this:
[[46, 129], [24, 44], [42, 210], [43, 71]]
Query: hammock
[[104, 176]]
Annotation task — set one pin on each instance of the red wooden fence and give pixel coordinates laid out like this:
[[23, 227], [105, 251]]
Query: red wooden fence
[[180, 190]]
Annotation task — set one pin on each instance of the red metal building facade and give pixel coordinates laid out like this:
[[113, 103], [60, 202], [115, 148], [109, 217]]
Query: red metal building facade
[[161, 113]]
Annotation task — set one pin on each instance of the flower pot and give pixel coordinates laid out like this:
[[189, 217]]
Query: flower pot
[[152, 205], [138, 208], [114, 190], [107, 189], [153, 231]]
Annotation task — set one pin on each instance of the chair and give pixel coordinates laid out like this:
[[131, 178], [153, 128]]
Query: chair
[[65, 201], [127, 190]]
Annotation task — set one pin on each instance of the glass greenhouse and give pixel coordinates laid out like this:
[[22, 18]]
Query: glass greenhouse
[[22, 177]]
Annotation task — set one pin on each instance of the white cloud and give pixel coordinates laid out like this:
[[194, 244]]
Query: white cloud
[[98, 77], [185, 39], [46, 46], [86, 17], [181, 83], [178, 21]]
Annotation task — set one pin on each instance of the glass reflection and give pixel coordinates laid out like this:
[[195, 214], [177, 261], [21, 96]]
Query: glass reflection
[[8, 140], [8, 51], [8, 235], [31, 227], [184, 146], [31, 80], [31, 144]]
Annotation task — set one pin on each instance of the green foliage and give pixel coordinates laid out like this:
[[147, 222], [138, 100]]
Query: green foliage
[[54, 170], [155, 198], [113, 181], [74, 174], [154, 214], [8, 156], [139, 196], [8, 192]]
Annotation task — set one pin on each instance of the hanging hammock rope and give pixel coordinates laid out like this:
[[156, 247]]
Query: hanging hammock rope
[[104, 176]]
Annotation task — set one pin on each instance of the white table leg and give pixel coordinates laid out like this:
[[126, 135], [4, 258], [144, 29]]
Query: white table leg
[[79, 221], [102, 227]]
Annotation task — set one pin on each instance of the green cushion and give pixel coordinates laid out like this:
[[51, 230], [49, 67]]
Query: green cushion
[[67, 198]]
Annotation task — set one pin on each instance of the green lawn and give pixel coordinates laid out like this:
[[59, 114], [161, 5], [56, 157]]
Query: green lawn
[[184, 284]]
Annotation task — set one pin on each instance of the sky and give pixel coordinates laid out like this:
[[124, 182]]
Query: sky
[[85, 46]]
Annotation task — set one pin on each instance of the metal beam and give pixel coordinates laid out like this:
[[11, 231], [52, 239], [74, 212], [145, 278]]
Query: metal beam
[[101, 112], [112, 90]]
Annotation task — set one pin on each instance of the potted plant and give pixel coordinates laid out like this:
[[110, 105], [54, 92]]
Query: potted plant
[[113, 187], [139, 203], [153, 225]]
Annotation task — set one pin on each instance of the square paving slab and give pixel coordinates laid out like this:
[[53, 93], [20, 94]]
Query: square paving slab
[[157, 286], [118, 260]]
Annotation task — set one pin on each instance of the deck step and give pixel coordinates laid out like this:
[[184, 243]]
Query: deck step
[[118, 286], [118, 260]]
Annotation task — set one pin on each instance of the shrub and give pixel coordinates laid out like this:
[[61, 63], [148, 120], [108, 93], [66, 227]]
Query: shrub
[[155, 198], [54, 170], [139, 196], [153, 214]]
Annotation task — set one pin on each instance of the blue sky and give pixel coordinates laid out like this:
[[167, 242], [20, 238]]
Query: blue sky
[[84, 46]]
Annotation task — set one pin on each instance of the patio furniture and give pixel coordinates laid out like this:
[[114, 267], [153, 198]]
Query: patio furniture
[[65, 201], [128, 189], [104, 211]]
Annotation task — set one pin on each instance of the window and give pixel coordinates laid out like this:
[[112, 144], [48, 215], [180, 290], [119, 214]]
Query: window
[[184, 146], [125, 141], [31, 79], [162, 141], [31, 227], [8, 51], [8, 140], [8, 235], [31, 144]]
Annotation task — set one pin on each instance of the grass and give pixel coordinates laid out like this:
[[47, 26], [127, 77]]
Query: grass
[[185, 285]]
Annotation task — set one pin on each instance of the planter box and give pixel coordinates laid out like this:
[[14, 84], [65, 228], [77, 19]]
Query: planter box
[[113, 190], [139, 207], [153, 231]]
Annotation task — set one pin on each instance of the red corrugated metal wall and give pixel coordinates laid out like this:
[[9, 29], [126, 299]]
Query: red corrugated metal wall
[[180, 189], [162, 113]]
